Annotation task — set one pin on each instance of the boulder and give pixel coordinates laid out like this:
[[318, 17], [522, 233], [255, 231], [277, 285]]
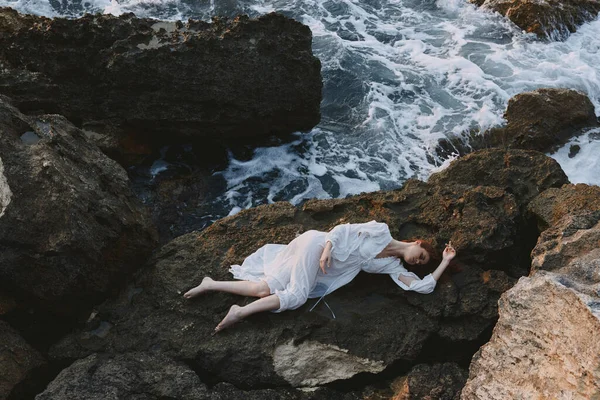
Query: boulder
[[376, 326], [544, 119], [70, 228], [17, 359], [548, 19], [153, 376], [545, 344], [137, 84], [137, 375], [523, 173]]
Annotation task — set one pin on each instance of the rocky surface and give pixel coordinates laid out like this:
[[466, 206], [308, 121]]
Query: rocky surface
[[555, 203], [137, 84], [429, 382], [70, 228], [545, 344], [509, 170], [548, 19], [544, 119], [17, 359], [377, 324], [155, 377]]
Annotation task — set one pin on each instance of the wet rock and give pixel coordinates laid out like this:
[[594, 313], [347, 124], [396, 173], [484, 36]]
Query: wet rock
[[70, 228], [136, 84], [544, 119], [545, 345], [548, 19], [17, 359]]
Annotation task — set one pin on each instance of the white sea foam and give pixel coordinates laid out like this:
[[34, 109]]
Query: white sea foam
[[583, 167], [398, 76]]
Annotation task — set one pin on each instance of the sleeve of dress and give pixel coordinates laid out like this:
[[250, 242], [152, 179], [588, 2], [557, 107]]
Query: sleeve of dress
[[424, 286], [343, 242]]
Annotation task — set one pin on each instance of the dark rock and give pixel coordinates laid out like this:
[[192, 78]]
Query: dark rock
[[574, 150], [548, 19], [17, 359], [438, 381], [544, 119], [126, 376], [70, 228], [137, 84]]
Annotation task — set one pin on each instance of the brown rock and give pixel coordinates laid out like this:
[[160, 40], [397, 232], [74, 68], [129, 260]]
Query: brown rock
[[555, 203], [545, 345], [544, 119], [371, 327], [523, 173], [429, 382], [548, 19], [17, 359]]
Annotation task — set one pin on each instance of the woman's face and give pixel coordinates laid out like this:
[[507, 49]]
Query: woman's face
[[415, 254]]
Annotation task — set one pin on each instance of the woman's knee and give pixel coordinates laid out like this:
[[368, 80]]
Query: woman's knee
[[262, 289]]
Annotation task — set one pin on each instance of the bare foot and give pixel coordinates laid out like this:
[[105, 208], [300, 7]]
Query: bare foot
[[198, 290], [231, 318]]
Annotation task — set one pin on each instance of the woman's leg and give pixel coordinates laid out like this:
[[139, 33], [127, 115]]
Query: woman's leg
[[236, 313], [244, 288]]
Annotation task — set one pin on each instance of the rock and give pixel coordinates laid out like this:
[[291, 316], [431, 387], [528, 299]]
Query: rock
[[428, 382], [555, 203], [377, 325], [544, 119], [70, 228], [17, 359], [523, 173], [154, 376], [137, 375], [545, 345], [570, 249], [548, 19], [139, 84]]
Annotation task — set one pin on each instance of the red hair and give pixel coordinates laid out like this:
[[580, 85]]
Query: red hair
[[435, 257]]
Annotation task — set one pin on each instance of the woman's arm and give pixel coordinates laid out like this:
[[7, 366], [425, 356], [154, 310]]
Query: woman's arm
[[447, 256], [325, 260]]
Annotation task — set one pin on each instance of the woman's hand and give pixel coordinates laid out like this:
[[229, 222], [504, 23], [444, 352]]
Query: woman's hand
[[325, 260], [449, 252]]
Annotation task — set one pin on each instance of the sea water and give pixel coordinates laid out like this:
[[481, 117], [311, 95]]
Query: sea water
[[399, 75]]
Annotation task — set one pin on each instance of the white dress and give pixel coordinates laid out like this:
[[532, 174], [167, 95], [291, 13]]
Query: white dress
[[293, 274]]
